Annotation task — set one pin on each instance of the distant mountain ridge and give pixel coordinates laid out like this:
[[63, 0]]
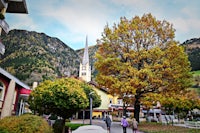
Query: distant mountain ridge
[[32, 56], [192, 48]]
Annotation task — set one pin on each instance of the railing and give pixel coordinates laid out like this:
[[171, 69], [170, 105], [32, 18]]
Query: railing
[[4, 26], [2, 4], [2, 48], [192, 124]]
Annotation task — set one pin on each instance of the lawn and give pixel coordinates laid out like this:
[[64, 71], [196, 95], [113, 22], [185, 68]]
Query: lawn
[[159, 128], [195, 73], [74, 126]]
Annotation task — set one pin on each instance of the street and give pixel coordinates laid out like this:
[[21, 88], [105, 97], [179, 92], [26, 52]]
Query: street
[[115, 126]]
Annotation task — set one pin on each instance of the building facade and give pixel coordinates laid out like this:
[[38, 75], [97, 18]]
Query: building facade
[[9, 6], [85, 68], [10, 86], [13, 94]]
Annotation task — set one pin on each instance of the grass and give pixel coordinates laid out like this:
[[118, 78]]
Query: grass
[[74, 126], [196, 73], [159, 128]]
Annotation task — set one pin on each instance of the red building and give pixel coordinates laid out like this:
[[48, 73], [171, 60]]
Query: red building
[[13, 94], [10, 86]]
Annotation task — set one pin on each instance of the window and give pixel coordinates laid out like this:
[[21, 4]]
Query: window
[[110, 100], [119, 101], [83, 73], [1, 90]]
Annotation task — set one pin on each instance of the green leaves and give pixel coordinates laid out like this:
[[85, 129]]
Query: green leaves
[[59, 97]]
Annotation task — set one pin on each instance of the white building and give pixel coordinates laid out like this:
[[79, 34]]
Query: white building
[[85, 68]]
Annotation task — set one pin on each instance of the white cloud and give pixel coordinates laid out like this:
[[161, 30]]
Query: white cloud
[[21, 21], [72, 20], [80, 18]]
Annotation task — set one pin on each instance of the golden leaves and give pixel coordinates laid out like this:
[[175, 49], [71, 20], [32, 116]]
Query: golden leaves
[[140, 56]]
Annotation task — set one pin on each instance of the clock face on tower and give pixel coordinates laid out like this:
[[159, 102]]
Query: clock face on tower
[[83, 67]]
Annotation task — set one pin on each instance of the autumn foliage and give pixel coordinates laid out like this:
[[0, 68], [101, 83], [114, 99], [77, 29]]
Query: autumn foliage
[[140, 56]]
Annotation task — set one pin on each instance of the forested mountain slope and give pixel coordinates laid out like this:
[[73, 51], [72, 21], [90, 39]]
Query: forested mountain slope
[[192, 48], [32, 56]]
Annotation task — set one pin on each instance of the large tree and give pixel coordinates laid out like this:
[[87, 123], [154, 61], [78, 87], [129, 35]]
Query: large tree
[[62, 97], [140, 56]]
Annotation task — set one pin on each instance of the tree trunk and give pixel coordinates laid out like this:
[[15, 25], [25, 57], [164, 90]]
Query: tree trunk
[[137, 108], [124, 109], [63, 125]]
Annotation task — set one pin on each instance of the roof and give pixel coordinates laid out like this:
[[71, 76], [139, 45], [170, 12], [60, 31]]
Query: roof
[[97, 86], [8, 75], [85, 55], [17, 6]]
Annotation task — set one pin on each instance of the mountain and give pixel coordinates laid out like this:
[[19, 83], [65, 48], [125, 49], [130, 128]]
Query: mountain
[[192, 48], [32, 56]]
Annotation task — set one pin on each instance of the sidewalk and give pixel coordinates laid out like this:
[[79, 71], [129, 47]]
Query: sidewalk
[[115, 127]]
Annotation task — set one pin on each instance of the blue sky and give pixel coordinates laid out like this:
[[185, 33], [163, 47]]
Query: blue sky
[[72, 20]]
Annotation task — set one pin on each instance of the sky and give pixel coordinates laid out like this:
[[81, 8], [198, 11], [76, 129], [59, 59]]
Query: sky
[[72, 20]]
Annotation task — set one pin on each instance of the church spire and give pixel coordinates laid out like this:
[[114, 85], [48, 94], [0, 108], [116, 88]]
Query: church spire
[[86, 55], [85, 69]]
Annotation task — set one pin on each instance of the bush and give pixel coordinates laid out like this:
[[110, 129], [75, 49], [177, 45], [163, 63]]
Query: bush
[[3, 130], [25, 124]]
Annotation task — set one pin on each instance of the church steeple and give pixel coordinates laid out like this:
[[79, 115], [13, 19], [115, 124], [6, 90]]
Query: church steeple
[[85, 55], [85, 69]]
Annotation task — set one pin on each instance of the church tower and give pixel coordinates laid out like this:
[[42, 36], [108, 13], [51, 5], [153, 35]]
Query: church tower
[[85, 68]]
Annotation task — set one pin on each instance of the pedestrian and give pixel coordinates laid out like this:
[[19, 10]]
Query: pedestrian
[[124, 124], [134, 125], [108, 123]]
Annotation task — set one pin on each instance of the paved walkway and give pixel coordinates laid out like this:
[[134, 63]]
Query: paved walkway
[[115, 127]]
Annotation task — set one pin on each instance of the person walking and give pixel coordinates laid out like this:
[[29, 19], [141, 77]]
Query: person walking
[[108, 123], [134, 125], [124, 124]]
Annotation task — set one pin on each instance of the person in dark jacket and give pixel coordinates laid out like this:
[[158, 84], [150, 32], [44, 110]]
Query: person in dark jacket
[[108, 123]]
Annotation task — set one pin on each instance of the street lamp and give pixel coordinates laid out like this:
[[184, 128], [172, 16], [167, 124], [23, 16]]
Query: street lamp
[[91, 106]]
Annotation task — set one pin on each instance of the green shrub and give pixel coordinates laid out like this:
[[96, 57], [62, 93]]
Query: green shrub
[[3, 130], [74, 126], [25, 124]]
